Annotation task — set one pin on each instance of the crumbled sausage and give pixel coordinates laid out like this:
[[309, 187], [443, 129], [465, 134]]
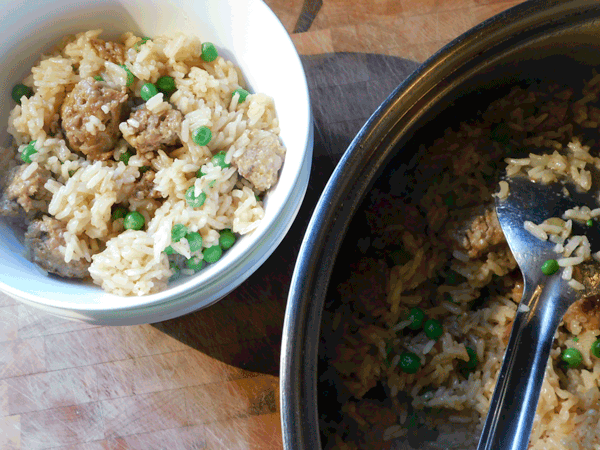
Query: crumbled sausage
[[109, 51], [144, 188], [557, 111], [477, 234], [376, 413], [260, 163], [584, 313], [25, 195], [90, 115], [376, 417], [154, 131], [366, 284], [44, 237]]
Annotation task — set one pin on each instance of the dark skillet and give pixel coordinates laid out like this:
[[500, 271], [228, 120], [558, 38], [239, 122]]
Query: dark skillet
[[524, 43]]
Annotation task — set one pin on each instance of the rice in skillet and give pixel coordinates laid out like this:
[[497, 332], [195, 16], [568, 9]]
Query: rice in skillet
[[415, 333], [142, 158]]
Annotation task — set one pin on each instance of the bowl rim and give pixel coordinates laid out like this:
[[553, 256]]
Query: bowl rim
[[372, 146], [262, 241]]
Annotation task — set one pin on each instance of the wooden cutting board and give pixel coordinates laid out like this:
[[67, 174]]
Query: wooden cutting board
[[209, 380]]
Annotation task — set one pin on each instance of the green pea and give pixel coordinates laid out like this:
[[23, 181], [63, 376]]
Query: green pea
[[192, 200], [212, 254], [98, 78], [125, 157], [134, 221], [166, 84], [572, 357], [209, 52], [388, 348], [147, 91], [452, 278], [416, 317], [28, 152], [589, 223], [130, 76], [473, 359], [178, 232], [195, 263], [596, 348], [202, 136], [501, 133], [20, 91], [119, 213], [173, 266], [219, 160], [412, 421], [409, 362], [450, 200], [138, 45], [226, 239], [194, 240], [243, 93], [175, 270], [550, 267], [433, 329]]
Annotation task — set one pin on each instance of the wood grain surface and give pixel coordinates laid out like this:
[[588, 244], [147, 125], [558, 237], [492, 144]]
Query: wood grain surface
[[209, 380]]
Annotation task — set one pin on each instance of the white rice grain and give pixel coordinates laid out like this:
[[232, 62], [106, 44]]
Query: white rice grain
[[535, 230], [576, 285], [567, 273], [565, 262]]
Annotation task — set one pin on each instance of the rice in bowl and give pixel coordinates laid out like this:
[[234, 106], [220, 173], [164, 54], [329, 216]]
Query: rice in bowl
[[162, 128]]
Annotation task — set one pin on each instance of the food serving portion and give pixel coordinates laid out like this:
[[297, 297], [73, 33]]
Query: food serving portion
[[416, 326], [137, 160]]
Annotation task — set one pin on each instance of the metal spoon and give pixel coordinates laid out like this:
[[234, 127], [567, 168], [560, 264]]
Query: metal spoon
[[544, 303]]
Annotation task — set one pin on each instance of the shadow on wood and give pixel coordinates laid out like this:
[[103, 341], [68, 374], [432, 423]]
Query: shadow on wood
[[244, 329]]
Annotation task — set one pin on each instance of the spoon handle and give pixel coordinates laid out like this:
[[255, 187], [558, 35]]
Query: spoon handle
[[513, 405]]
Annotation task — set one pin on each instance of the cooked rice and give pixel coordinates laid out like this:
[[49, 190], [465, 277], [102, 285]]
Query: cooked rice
[[84, 193], [439, 396], [504, 190], [576, 285], [535, 230]]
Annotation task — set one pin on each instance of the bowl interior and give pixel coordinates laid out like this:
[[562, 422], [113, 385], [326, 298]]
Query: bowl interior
[[246, 32]]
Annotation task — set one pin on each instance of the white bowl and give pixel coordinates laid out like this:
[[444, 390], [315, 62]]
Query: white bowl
[[246, 32]]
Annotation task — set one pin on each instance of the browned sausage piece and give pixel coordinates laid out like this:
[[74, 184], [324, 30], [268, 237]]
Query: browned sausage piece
[[90, 115], [154, 131], [585, 312], [260, 163], [28, 194], [477, 234], [142, 189], [109, 51], [43, 238]]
